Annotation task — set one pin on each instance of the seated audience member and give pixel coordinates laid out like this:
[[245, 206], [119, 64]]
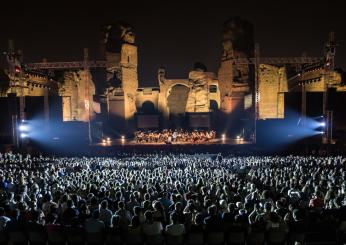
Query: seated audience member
[[106, 214], [151, 227], [94, 224], [135, 228], [175, 228], [3, 219], [212, 221]]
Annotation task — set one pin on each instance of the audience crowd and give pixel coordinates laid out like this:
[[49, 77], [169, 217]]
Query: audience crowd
[[174, 136], [173, 194]]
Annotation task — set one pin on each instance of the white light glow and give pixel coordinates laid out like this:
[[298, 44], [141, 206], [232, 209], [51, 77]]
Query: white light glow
[[23, 127], [23, 135]]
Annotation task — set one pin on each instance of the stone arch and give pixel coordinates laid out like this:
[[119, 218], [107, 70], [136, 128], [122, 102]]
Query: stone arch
[[148, 107], [213, 105], [176, 97]]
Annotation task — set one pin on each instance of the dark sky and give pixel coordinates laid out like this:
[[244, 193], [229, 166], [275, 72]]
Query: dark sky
[[173, 34]]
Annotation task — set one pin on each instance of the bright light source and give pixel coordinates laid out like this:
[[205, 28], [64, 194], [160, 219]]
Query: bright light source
[[321, 132], [322, 124], [103, 141], [238, 137], [108, 139], [122, 137], [23, 127], [223, 136], [23, 135]]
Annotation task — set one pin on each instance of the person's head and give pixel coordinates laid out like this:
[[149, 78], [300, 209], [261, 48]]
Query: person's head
[[297, 214], [174, 218], [223, 205], [137, 210], [266, 194], [146, 205], [212, 210], [121, 205], [231, 207], [69, 203], [198, 219], [158, 206], [267, 207], [47, 197], [146, 196], [104, 204], [279, 204], [178, 207]]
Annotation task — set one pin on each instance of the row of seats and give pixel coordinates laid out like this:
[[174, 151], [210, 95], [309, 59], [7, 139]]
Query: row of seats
[[212, 238]]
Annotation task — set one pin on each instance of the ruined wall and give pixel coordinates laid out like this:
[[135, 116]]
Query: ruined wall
[[121, 66], [177, 99], [166, 86], [77, 93], [129, 77], [34, 85], [147, 94], [225, 77], [198, 97], [315, 80], [235, 80], [272, 85]]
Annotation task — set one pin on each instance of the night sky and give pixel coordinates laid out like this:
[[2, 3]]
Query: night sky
[[173, 34]]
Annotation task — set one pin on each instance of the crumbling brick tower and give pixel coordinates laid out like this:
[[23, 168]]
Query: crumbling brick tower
[[122, 78], [237, 42], [235, 80]]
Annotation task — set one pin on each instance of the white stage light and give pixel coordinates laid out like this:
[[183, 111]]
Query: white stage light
[[23, 127], [23, 135]]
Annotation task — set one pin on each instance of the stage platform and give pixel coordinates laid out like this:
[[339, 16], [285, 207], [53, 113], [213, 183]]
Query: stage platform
[[129, 145], [132, 142]]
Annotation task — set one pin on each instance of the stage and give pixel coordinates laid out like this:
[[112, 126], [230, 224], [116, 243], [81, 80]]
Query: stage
[[132, 142]]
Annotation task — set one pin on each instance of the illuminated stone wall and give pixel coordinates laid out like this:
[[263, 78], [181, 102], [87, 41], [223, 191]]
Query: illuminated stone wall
[[77, 93], [34, 85], [225, 77], [129, 77], [315, 80], [272, 85], [166, 86], [147, 94]]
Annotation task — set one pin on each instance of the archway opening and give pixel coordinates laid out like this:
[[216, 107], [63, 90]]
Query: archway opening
[[148, 107], [176, 102]]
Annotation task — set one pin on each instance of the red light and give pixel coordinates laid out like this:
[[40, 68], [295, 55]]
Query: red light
[[17, 69]]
